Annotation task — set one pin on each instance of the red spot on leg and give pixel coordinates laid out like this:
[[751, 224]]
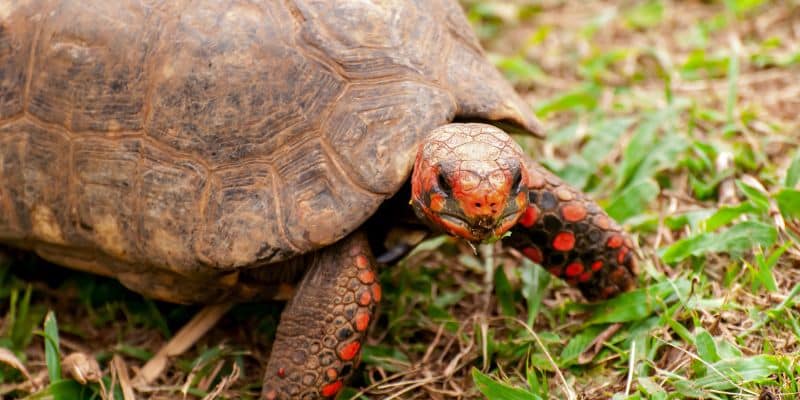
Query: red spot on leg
[[609, 291], [573, 212], [366, 276], [556, 271], [597, 265], [564, 241], [529, 217], [332, 374], [362, 321], [614, 242], [362, 261], [584, 277], [602, 222], [621, 255], [331, 389], [349, 351], [574, 269], [365, 298], [376, 292], [534, 254], [281, 373], [271, 395]]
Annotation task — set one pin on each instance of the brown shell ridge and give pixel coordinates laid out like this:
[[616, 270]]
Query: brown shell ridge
[[31, 61], [347, 173]]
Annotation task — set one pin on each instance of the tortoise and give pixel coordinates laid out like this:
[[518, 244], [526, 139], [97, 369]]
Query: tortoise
[[246, 150]]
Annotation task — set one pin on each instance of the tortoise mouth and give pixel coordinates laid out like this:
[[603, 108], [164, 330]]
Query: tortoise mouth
[[479, 230]]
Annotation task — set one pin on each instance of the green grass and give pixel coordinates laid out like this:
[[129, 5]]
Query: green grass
[[679, 117]]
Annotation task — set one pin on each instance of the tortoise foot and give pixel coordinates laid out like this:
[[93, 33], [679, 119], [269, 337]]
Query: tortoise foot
[[319, 339]]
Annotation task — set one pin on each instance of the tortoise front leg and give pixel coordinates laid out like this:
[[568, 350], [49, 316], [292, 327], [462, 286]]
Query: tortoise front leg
[[322, 329], [573, 238]]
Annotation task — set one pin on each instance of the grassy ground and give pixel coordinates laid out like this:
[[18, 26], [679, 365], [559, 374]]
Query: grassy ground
[[680, 117]]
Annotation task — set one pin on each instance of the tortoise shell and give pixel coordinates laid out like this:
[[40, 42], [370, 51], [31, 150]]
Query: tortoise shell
[[207, 136]]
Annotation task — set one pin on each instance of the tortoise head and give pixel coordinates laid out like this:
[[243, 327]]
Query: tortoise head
[[470, 181]]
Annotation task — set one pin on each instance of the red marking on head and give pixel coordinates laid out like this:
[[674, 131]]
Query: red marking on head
[[614, 241], [437, 202], [564, 241], [376, 292], [602, 222], [281, 372], [349, 351], [584, 277], [366, 276], [573, 212], [362, 261], [365, 298], [597, 265], [331, 389], [362, 321], [621, 255], [530, 216], [574, 269], [332, 373], [534, 254], [482, 198]]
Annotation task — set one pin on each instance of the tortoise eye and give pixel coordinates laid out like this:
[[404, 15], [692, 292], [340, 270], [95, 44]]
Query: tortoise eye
[[516, 183], [444, 185]]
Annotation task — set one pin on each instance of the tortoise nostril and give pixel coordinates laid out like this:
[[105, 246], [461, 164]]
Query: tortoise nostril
[[493, 205], [478, 205]]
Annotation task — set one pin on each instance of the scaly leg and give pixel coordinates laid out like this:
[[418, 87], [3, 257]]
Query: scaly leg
[[573, 238], [319, 338]]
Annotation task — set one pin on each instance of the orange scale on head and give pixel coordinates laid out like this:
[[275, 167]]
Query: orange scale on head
[[437, 202], [597, 265]]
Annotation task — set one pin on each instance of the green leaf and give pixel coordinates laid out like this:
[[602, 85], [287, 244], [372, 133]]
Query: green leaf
[[577, 344], [727, 214], [758, 198], [638, 304], [494, 390], [793, 172], [728, 374], [504, 292], [789, 202], [582, 98], [535, 281], [633, 200], [51, 347], [736, 240], [645, 15], [706, 348]]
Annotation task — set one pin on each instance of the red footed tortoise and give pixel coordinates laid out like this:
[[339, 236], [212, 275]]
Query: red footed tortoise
[[215, 151]]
